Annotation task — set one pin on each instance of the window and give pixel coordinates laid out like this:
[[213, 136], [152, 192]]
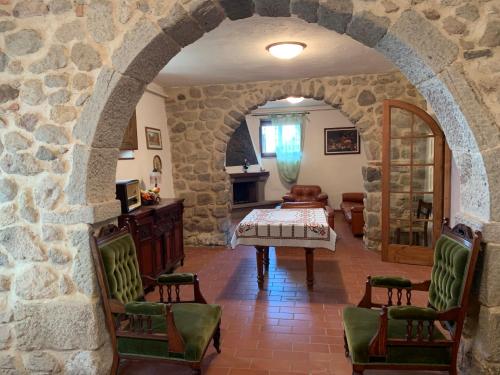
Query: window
[[271, 135]]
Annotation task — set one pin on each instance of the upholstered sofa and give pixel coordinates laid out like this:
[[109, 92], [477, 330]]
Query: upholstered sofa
[[352, 207], [306, 193]]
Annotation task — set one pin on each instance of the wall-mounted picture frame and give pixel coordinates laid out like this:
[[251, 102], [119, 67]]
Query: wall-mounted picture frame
[[153, 139], [340, 141]]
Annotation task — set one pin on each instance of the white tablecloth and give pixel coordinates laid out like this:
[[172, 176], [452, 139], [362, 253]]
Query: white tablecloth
[[304, 227]]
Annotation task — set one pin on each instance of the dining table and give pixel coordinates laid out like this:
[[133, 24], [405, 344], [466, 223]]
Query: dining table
[[305, 228]]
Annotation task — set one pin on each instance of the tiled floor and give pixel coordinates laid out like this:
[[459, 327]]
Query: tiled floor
[[285, 328]]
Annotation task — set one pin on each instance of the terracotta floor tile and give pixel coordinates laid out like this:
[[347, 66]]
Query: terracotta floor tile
[[286, 328]]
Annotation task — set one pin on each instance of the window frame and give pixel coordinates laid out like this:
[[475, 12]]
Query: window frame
[[265, 122]]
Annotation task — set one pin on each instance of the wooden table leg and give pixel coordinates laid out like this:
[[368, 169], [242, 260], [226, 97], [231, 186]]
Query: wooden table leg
[[266, 258], [260, 266], [310, 266]]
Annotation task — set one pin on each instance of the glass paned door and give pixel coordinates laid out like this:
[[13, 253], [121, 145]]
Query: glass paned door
[[412, 183]]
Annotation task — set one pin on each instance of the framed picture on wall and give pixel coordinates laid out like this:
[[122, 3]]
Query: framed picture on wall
[[342, 141], [153, 139]]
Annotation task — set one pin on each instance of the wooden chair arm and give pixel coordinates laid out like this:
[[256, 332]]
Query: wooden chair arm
[[140, 326], [174, 288], [175, 341], [367, 302], [116, 306], [416, 336], [378, 343]]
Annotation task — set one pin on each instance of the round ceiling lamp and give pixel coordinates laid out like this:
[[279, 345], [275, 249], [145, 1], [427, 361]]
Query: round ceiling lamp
[[294, 99], [286, 50]]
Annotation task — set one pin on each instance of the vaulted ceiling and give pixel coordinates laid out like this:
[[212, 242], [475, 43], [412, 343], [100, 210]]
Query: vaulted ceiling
[[236, 52]]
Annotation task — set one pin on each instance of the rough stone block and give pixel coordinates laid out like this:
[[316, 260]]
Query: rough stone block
[[92, 179], [272, 8], [7, 93], [368, 28], [55, 59], [21, 243], [83, 272], [60, 6], [41, 362], [335, 14], [208, 14], [417, 47], [70, 31], [475, 197], [490, 159], [106, 114], [488, 335], [180, 26], [478, 116], [145, 50], [22, 164], [46, 192], [238, 9], [32, 92], [59, 325], [8, 190], [100, 20], [30, 8], [90, 362], [85, 57], [36, 282], [489, 293], [305, 9], [23, 42]]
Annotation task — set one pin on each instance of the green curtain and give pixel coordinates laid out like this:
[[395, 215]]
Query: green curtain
[[289, 137]]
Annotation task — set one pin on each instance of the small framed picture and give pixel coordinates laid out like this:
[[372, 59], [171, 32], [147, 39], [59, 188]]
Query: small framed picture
[[157, 164], [153, 139], [342, 141]]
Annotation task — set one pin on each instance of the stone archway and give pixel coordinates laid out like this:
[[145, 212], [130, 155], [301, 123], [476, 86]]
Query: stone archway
[[103, 54], [203, 118]]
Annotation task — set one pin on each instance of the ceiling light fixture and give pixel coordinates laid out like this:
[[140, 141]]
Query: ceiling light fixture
[[294, 99], [286, 50]]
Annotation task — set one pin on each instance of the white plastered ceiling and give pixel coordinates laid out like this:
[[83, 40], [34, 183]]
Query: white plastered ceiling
[[236, 52]]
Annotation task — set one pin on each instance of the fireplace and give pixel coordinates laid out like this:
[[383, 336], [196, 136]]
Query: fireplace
[[245, 192]]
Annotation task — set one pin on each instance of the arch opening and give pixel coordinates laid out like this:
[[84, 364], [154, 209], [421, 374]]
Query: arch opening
[[149, 45]]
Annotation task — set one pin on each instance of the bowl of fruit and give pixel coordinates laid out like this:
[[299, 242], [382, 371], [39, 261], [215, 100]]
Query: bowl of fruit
[[151, 196]]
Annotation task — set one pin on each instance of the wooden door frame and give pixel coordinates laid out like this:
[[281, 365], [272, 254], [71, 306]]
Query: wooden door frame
[[441, 185]]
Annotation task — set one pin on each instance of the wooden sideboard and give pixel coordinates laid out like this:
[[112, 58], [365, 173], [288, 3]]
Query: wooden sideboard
[[158, 235]]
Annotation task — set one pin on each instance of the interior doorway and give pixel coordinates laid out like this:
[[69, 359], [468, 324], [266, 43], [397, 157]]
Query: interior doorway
[[415, 183]]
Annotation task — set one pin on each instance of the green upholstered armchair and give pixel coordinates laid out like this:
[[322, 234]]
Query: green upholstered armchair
[[170, 330], [399, 336]]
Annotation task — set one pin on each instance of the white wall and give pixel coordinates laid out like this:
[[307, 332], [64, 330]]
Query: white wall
[[335, 174], [150, 113]]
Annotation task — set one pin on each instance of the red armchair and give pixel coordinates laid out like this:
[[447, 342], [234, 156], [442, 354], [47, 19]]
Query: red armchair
[[352, 207], [330, 215], [306, 193]]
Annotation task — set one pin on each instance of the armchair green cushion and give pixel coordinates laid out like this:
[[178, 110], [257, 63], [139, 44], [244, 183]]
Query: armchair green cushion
[[145, 308], [361, 324], [451, 259], [412, 313], [176, 278], [390, 282], [196, 324], [122, 269]]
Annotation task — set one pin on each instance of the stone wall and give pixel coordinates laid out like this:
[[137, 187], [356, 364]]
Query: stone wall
[[202, 119], [71, 73]]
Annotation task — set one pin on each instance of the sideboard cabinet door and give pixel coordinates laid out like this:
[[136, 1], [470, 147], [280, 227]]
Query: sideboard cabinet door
[[158, 237]]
